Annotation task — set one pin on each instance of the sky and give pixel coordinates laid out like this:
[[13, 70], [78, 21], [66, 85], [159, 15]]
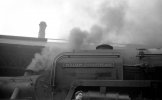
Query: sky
[[119, 21], [21, 17]]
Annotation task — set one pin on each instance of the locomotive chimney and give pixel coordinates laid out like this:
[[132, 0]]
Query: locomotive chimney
[[104, 47], [42, 28]]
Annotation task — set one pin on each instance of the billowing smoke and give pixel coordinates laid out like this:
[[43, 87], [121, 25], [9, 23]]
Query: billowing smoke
[[110, 21], [44, 60], [96, 35], [144, 22], [127, 22], [112, 17], [115, 21], [77, 38]]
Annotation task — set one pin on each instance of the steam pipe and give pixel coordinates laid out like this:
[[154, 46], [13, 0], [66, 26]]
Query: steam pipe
[[15, 93]]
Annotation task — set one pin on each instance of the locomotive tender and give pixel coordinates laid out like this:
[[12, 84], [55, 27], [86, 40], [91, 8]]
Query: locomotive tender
[[89, 75]]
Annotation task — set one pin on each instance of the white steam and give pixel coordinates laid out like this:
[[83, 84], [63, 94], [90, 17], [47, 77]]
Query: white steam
[[44, 60]]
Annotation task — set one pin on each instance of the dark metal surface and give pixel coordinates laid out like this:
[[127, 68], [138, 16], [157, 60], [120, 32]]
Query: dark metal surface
[[96, 70], [80, 65], [25, 86], [15, 58], [111, 83]]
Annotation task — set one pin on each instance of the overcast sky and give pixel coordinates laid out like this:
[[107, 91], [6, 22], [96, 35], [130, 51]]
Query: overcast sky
[[21, 17], [123, 21]]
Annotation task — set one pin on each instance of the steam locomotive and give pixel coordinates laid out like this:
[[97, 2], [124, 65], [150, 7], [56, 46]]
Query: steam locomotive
[[102, 74]]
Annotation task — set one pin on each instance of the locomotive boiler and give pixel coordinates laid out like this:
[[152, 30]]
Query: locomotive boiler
[[92, 75]]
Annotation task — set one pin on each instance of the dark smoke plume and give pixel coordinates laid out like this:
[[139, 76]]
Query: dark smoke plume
[[77, 38], [96, 34]]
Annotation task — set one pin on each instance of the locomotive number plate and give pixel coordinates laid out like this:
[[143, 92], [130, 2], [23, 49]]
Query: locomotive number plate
[[89, 65]]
